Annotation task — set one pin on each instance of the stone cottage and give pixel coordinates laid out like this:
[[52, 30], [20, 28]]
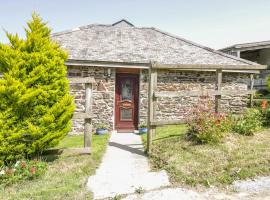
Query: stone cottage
[[119, 56]]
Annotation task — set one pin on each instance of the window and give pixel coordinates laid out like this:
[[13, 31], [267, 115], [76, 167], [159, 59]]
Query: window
[[126, 114], [126, 92]]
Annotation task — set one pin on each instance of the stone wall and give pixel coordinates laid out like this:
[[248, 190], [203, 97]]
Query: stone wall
[[103, 96], [171, 108], [168, 107], [143, 96]]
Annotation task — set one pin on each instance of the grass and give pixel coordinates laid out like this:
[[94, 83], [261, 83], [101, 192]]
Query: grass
[[237, 157], [72, 142], [66, 176]]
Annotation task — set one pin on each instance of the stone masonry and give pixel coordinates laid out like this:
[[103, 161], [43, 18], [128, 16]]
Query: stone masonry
[[168, 107], [103, 97], [172, 108]]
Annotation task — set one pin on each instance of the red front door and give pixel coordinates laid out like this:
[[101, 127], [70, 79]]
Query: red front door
[[126, 102]]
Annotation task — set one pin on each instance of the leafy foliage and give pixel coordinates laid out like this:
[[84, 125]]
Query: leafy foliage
[[22, 170], [237, 157], [250, 122], [65, 174], [206, 126], [268, 83], [35, 107], [143, 125], [102, 126], [265, 111]]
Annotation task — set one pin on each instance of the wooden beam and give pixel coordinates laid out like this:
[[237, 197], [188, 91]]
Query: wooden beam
[[154, 101], [82, 80], [218, 89], [151, 86], [88, 121], [224, 71], [251, 88], [87, 133], [234, 92], [195, 67], [93, 63], [82, 116], [167, 122], [202, 93], [209, 66]]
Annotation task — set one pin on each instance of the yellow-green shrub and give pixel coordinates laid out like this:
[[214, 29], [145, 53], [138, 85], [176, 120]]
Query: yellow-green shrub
[[35, 104]]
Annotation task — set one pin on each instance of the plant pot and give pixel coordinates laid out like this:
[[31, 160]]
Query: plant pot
[[100, 131], [142, 130]]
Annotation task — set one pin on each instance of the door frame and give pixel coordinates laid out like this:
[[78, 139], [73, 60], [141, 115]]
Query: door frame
[[135, 73]]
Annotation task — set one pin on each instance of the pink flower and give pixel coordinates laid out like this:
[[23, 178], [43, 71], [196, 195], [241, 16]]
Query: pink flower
[[33, 170], [9, 171], [264, 104], [23, 164]]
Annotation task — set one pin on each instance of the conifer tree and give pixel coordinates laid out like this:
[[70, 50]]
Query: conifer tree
[[35, 104]]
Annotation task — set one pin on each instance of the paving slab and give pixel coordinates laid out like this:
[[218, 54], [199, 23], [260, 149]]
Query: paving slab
[[189, 194], [125, 169], [256, 185]]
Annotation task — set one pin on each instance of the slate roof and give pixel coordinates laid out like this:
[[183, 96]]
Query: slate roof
[[123, 42]]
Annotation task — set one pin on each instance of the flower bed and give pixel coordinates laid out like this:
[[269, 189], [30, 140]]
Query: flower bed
[[205, 125], [22, 170]]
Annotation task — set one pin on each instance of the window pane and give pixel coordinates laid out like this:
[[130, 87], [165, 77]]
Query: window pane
[[126, 92], [126, 114]]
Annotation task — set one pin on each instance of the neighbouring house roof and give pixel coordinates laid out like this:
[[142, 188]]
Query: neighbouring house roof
[[124, 42], [247, 46]]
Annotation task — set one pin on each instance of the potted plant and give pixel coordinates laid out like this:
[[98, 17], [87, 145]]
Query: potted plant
[[142, 128], [101, 129]]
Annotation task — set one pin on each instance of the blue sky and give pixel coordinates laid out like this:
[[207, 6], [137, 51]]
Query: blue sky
[[213, 23]]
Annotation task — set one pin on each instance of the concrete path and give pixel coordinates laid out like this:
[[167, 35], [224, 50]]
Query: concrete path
[[125, 169], [255, 189], [188, 194]]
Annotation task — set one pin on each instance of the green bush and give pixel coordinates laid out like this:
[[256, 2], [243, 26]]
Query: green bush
[[266, 117], [143, 125], [258, 102], [250, 122], [206, 126], [102, 126], [22, 170], [36, 107], [265, 111]]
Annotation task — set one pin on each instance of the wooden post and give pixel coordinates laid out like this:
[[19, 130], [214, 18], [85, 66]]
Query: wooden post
[[88, 121], [218, 89], [251, 88], [154, 116], [87, 115], [151, 107]]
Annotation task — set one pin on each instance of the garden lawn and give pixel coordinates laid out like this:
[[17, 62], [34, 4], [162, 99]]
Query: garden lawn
[[66, 175], [237, 157]]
